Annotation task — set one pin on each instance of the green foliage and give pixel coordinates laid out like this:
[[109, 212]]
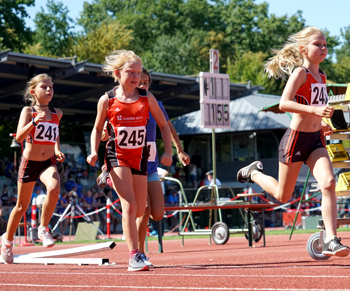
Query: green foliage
[[14, 34], [97, 43], [344, 51], [52, 36], [249, 67]]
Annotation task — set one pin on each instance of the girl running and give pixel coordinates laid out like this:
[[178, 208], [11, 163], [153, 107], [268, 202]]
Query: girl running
[[126, 109], [305, 95], [38, 124]]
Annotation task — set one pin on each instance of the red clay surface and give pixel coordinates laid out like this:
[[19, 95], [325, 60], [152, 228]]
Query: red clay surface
[[282, 265]]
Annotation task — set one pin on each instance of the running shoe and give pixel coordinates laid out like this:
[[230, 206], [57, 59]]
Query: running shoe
[[335, 248], [137, 264], [243, 174], [102, 178], [146, 261], [6, 250], [45, 236]]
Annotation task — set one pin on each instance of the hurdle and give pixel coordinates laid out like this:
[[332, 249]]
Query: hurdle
[[60, 256]]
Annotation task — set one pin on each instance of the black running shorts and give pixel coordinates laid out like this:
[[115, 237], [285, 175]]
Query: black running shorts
[[29, 171], [296, 146]]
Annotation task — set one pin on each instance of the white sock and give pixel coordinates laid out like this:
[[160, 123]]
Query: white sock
[[329, 238], [8, 242], [253, 173]]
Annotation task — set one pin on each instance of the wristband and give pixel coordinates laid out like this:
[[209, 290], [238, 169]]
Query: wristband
[[33, 122]]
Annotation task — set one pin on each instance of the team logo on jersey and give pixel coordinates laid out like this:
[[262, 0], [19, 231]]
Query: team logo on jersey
[[141, 106], [119, 117], [117, 109]]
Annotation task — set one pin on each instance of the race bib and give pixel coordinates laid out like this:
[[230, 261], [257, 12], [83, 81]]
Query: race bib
[[319, 95], [152, 149], [131, 137], [46, 132]]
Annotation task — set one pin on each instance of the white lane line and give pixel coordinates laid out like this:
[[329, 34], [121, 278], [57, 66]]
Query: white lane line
[[165, 288], [183, 275]]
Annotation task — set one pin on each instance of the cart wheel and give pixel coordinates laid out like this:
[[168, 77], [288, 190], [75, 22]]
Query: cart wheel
[[220, 233], [313, 248], [256, 231]]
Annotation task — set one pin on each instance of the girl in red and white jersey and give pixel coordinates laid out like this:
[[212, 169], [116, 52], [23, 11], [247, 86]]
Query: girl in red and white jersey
[[126, 110], [305, 95], [38, 124]]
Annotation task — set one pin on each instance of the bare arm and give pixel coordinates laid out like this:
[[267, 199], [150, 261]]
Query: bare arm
[[96, 133], [183, 157], [164, 129], [25, 124], [287, 103], [59, 155]]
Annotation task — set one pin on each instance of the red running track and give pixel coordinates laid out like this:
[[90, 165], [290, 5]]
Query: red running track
[[282, 265]]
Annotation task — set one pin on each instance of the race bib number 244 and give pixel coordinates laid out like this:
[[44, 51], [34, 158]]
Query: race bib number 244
[[319, 95]]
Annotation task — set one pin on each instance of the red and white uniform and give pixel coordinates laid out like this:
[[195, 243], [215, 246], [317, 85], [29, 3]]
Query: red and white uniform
[[45, 133], [312, 93], [127, 122]]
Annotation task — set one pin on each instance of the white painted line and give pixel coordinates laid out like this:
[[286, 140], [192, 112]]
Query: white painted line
[[167, 288], [64, 261], [99, 247]]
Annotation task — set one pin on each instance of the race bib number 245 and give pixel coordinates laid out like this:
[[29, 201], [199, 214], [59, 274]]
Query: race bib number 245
[[131, 137]]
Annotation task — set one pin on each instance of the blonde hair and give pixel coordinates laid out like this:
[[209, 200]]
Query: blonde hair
[[286, 59], [117, 60], [27, 96]]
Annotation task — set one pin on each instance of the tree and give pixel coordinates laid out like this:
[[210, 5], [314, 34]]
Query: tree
[[14, 34], [52, 36], [249, 67], [344, 50], [95, 45]]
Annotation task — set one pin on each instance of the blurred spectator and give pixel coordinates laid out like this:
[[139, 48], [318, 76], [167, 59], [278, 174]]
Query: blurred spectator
[[192, 175], [5, 196], [197, 161], [89, 205], [62, 204], [101, 202], [2, 219], [10, 172], [210, 179], [173, 200]]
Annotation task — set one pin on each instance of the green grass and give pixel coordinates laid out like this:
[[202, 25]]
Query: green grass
[[177, 237]]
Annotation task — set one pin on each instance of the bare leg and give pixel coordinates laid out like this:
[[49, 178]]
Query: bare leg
[[51, 179], [322, 169], [282, 189], [132, 192], [154, 208], [25, 191]]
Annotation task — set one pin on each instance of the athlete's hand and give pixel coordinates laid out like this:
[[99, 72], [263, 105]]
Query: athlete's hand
[[324, 111], [166, 159], [92, 159], [326, 128], [41, 117], [60, 156], [184, 158]]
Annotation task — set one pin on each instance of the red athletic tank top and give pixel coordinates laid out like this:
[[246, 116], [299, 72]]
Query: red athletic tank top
[[127, 128], [312, 93], [45, 133]]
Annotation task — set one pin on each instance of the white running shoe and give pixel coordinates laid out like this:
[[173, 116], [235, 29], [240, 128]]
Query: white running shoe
[[243, 174], [6, 250], [45, 236], [146, 261], [137, 264]]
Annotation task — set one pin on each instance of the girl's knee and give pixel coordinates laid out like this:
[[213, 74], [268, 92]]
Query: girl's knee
[[157, 215], [328, 183]]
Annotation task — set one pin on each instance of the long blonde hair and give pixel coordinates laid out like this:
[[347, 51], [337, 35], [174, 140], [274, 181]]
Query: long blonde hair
[[117, 60], [286, 59], [27, 96]]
